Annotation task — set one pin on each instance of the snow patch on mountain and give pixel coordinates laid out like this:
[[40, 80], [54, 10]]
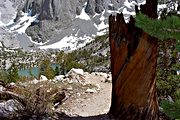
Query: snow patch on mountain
[[102, 28], [1, 23], [69, 43], [23, 23]]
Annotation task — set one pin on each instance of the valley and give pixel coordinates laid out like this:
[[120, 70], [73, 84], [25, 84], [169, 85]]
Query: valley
[[59, 59]]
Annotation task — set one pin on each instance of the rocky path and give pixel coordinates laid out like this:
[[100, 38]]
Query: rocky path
[[90, 104]]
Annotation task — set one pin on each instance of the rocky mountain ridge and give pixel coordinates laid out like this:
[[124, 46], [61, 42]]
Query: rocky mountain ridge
[[63, 24], [71, 19]]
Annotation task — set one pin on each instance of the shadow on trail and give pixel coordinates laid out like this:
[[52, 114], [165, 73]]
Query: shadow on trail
[[63, 116]]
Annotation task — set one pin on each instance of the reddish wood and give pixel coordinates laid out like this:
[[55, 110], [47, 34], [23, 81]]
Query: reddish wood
[[133, 66]]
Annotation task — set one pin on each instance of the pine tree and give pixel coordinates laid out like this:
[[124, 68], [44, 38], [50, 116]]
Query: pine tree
[[46, 69], [57, 70], [13, 73], [172, 109], [166, 27]]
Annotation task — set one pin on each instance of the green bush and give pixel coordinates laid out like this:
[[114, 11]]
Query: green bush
[[172, 109], [168, 86]]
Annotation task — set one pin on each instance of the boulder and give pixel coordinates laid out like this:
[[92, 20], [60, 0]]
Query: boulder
[[59, 77], [75, 75], [9, 107], [91, 90], [76, 71], [43, 78]]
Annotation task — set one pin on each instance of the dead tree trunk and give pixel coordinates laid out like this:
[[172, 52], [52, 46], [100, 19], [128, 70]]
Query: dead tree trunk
[[133, 66]]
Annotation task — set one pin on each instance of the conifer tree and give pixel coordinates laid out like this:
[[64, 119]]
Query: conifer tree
[[13, 73], [166, 27]]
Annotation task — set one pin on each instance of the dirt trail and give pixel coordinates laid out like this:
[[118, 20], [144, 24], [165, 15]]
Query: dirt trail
[[90, 104]]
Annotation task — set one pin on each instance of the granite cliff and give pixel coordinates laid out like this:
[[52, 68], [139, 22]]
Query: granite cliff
[[62, 24]]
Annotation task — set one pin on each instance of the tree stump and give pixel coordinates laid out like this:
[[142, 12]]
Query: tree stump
[[133, 67]]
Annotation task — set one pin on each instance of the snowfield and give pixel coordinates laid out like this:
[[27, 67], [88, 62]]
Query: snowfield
[[68, 43], [1, 23], [23, 23]]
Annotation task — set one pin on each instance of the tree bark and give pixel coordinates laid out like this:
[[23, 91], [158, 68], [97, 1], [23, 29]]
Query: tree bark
[[133, 67]]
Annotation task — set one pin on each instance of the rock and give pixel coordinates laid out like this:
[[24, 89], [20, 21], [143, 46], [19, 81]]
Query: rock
[[70, 88], [78, 94], [78, 10], [12, 84], [86, 74], [2, 88], [59, 77], [99, 6], [90, 7], [103, 74], [93, 73], [101, 69], [35, 81], [91, 90], [49, 90], [169, 98], [109, 79], [57, 18], [9, 107], [43, 78], [66, 80], [98, 86], [76, 76], [76, 71]]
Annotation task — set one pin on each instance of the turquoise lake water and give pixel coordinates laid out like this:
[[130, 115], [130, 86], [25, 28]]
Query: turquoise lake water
[[34, 71]]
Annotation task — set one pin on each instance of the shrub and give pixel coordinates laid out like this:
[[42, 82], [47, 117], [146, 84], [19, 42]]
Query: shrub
[[13, 73], [168, 86], [39, 100], [172, 109]]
